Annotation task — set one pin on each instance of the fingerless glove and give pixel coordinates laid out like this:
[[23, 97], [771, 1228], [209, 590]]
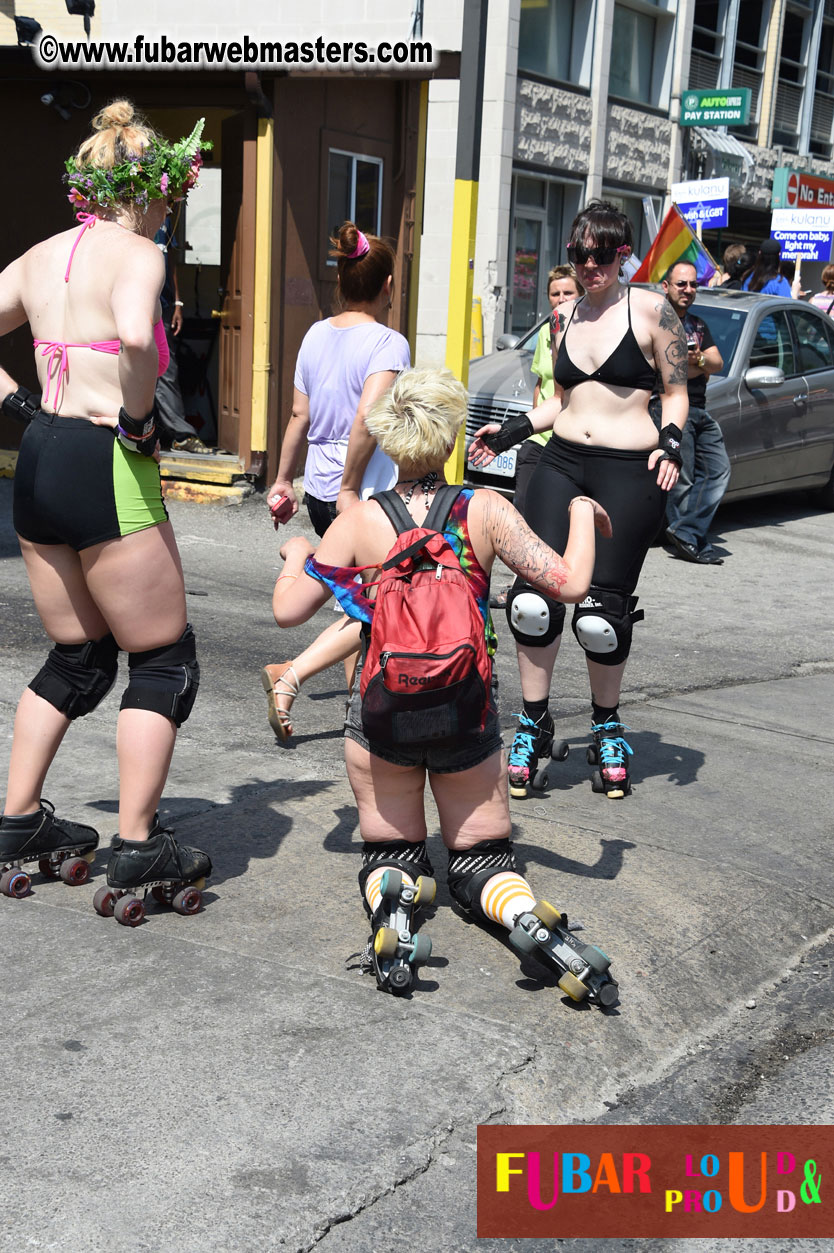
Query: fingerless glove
[[514, 430], [670, 441], [137, 434], [21, 404]]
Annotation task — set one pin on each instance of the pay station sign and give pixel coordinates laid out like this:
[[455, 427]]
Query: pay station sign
[[803, 233], [706, 200]]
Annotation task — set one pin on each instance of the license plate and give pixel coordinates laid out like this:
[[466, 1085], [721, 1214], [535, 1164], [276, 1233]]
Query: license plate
[[504, 464]]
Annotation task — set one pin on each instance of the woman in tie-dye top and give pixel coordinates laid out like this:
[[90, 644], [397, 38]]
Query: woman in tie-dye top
[[416, 423]]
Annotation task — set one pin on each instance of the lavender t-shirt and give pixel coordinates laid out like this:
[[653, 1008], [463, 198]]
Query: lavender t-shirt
[[333, 365]]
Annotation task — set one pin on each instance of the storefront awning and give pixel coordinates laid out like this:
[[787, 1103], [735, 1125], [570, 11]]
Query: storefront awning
[[728, 156]]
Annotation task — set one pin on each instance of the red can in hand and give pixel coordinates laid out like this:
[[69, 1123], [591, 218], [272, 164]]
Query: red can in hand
[[281, 510]]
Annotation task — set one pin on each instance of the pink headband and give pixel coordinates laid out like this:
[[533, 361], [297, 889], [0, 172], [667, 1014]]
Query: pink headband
[[362, 246]]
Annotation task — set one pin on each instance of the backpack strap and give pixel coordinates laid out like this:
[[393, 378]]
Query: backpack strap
[[441, 507], [392, 506]]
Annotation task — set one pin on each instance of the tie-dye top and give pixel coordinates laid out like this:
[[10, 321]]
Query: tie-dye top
[[342, 580]]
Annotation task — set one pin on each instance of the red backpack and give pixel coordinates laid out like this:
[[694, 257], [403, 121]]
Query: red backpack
[[427, 673]]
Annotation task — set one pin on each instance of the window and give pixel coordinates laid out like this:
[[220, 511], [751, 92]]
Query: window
[[772, 345], [792, 72], [354, 192], [554, 39], [822, 114], [707, 44], [813, 346], [748, 63], [641, 51], [543, 210]]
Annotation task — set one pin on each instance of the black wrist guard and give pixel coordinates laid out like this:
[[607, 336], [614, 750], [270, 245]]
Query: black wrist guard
[[21, 404], [137, 434], [514, 430], [670, 441]]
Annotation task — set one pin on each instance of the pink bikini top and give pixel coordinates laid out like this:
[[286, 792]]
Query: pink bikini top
[[56, 351]]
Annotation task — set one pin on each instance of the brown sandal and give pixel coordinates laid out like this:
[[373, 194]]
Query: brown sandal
[[280, 680]]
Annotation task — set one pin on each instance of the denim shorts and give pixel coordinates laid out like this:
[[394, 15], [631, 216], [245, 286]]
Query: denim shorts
[[465, 753]]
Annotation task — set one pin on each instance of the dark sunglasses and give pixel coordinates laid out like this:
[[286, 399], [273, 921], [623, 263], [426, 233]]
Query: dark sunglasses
[[578, 254], [686, 283]]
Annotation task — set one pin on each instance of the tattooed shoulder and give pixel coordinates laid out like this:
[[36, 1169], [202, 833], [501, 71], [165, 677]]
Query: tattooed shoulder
[[667, 318]]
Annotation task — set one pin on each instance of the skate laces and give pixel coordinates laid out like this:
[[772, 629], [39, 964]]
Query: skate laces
[[524, 742], [612, 748]]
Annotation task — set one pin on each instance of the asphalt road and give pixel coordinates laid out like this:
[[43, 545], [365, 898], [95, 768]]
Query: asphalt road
[[231, 1081]]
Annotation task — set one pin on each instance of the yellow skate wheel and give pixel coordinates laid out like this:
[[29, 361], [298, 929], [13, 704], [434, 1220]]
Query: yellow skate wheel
[[551, 917], [573, 987], [426, 890], [385, 942]]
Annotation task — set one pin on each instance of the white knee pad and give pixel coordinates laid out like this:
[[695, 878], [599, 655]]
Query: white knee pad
[[534, 619]]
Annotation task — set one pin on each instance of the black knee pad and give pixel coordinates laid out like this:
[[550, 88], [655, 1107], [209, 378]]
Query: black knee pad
[[471, 868], [77, 677], [409, 857], [164, 680], [603, 625], [533, 618]]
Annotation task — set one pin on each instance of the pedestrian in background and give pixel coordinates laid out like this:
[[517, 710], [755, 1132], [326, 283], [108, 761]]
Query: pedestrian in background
[[825, 299], [705, 472]]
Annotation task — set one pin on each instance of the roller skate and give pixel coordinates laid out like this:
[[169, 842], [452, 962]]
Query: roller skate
[[62, 849], [173, 873], [533, 741], [393, 951], [582, 968], [610, 752]]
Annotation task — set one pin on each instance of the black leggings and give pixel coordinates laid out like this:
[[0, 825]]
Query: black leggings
[[622, 483]]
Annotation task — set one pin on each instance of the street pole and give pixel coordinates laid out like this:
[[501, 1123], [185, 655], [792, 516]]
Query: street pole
[[465, 211]]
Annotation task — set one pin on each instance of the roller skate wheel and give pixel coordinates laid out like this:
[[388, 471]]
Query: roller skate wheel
[[518, 791], [615, 793], [540, 779], [559, 750], [592, 755], [129, 911], [390, 885], [596, 959], [400, 979], [421, 952], [522, 941], [426, 890], [386, 941], [75, 871], [597, 784], [552, 918], [573, 987], [47, 869], [609, 994], [188, 901], [15, 883], [104, 902]]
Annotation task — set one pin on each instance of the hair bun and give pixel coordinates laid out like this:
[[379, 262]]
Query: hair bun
[[347, 239], [118, 113]]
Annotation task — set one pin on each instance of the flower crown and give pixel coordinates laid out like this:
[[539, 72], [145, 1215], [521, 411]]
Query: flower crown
[[162, 171]]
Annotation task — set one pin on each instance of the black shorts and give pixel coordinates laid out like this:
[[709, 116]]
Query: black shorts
[[623, 484], [76, 484]]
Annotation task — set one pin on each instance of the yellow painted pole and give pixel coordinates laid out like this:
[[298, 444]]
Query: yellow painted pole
[[262, 311], [461, 274], [419, 204], [476, 339]]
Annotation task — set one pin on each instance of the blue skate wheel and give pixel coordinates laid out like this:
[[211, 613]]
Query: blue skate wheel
[[390, 885], [596, 959], [522, 941], [421, 952]]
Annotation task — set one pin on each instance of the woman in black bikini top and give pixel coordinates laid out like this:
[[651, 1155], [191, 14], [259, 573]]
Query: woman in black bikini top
[[604, 444]]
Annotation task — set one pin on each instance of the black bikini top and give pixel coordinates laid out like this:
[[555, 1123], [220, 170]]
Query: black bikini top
[[626, 367]]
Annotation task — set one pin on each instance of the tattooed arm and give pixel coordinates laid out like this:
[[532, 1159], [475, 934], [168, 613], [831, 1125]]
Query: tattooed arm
[[671, 359], [503, 531]]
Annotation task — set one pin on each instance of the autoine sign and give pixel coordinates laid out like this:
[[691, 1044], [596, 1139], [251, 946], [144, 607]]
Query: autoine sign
[[805, 234], [705, 200]]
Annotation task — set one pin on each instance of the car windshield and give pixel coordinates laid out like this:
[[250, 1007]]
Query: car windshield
[[725, 326]]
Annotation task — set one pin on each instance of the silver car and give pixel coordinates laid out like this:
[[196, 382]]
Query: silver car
[[774, 400]]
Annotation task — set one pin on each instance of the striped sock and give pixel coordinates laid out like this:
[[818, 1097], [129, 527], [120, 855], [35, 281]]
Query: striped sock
[[505, 896], [373, 891]]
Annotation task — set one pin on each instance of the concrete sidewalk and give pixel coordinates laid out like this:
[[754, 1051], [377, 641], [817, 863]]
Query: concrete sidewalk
[[233, 1082]]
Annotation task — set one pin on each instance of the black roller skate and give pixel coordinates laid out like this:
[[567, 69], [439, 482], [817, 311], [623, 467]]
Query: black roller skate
[[393, 951], [173, 873], [533, 740], [582, 968], [62, 849], [610, 751]]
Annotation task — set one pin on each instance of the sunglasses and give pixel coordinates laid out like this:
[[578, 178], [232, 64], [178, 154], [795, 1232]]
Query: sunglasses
[[681, 286], [578, 254]]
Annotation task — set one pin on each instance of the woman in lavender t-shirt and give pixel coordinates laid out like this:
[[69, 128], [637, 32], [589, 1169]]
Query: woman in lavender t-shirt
[[344, 364]]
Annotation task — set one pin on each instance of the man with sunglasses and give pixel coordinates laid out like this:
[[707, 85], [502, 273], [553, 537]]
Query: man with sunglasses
[[705, 472]]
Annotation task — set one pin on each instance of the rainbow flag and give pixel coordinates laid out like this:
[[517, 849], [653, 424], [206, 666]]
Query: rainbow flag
[[675, 241]]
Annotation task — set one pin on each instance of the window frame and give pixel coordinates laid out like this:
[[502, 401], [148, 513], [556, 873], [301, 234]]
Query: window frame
[[378, 152]]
